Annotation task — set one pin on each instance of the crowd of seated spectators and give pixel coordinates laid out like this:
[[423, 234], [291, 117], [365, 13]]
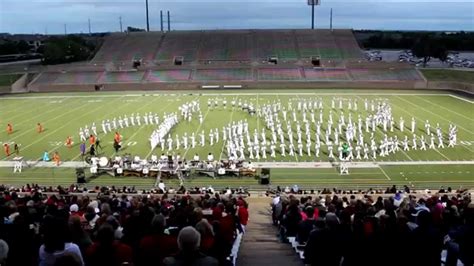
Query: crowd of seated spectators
[[403, 229], [130, 229], [389, 190], [109, 190]]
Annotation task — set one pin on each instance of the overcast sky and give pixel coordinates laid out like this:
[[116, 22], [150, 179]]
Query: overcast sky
[[40, 16]]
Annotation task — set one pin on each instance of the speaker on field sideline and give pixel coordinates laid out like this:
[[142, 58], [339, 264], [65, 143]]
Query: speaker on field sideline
[[316, 61], [178, 60], [264, 177], [80, 176], [273, 60]]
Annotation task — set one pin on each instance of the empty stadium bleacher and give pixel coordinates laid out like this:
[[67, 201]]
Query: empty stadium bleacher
[[127, 47], [179, 43], [230, 45], [77, 78], [326, 74], [121, 77], [223, 74], [226, 56], [168, 75], [367, 74], [277, 74]]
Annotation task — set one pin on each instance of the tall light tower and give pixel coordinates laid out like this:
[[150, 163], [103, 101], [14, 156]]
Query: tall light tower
[[313, 3], [147, 18]]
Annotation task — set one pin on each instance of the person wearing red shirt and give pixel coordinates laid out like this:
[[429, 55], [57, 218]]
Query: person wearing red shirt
[[158, 245], [242, 213], [107, 251], [207, 236]]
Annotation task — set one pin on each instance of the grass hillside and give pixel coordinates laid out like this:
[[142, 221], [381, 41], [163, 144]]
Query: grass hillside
[[8, 79], [448, 75]]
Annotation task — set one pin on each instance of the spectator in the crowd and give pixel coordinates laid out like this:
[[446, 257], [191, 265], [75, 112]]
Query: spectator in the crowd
[[188, 242], [157, 245], [3, 251], [67, 260], [242, 213], [291, 219], [427, 239], [460, 242], [277, 208], [207, 236], [55, 245], [306, 226], [78, 235], [321, 248], [108, 251]]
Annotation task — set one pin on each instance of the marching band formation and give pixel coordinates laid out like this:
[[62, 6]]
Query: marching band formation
[[299, 128]]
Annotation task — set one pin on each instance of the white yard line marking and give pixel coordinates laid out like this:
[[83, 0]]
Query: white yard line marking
[[34, 118], [61, 127], [144, 126], [19, 114], [378, 130], [311, 165], [427, 110], [460, 98], [184, 155], [230, 121], [221, 93], [421, 122], [464, 146], [384, 173], [108, 115], [42, 136], [151, 151], [258, 119], [449, 110]]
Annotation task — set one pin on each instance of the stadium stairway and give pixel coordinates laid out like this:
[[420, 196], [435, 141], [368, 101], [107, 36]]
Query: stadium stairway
[[260, 245]]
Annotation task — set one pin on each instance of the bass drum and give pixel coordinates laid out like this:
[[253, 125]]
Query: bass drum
[[103, 161], [88, 159]]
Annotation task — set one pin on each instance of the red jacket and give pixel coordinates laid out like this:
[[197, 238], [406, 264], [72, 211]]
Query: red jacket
[[243, 215], [155, 248], [120, 253]]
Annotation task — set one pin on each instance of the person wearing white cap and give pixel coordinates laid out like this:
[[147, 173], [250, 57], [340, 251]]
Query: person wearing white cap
[[189, 241], [73, 209]]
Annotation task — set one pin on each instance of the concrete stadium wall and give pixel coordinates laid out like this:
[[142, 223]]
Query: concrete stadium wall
[[63, 88], [245, 84], [456, 86], [20, 84]]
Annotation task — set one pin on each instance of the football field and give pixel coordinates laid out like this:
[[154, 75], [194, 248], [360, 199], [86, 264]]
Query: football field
[[63, 114]]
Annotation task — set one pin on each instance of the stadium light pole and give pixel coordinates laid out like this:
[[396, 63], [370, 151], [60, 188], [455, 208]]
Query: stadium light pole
[[161, 20], [331, 20], [147, 18], [169, 26], [313, 3]]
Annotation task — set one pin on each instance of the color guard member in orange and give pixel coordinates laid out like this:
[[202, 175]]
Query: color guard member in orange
[[56, 158], [69, 142], [92, 139], [39, 127], [6, 148], [9, 128], [117, 137]]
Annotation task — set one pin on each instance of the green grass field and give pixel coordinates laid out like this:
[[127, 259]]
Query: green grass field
[[448, 75], [63, 114], [8, 79]]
